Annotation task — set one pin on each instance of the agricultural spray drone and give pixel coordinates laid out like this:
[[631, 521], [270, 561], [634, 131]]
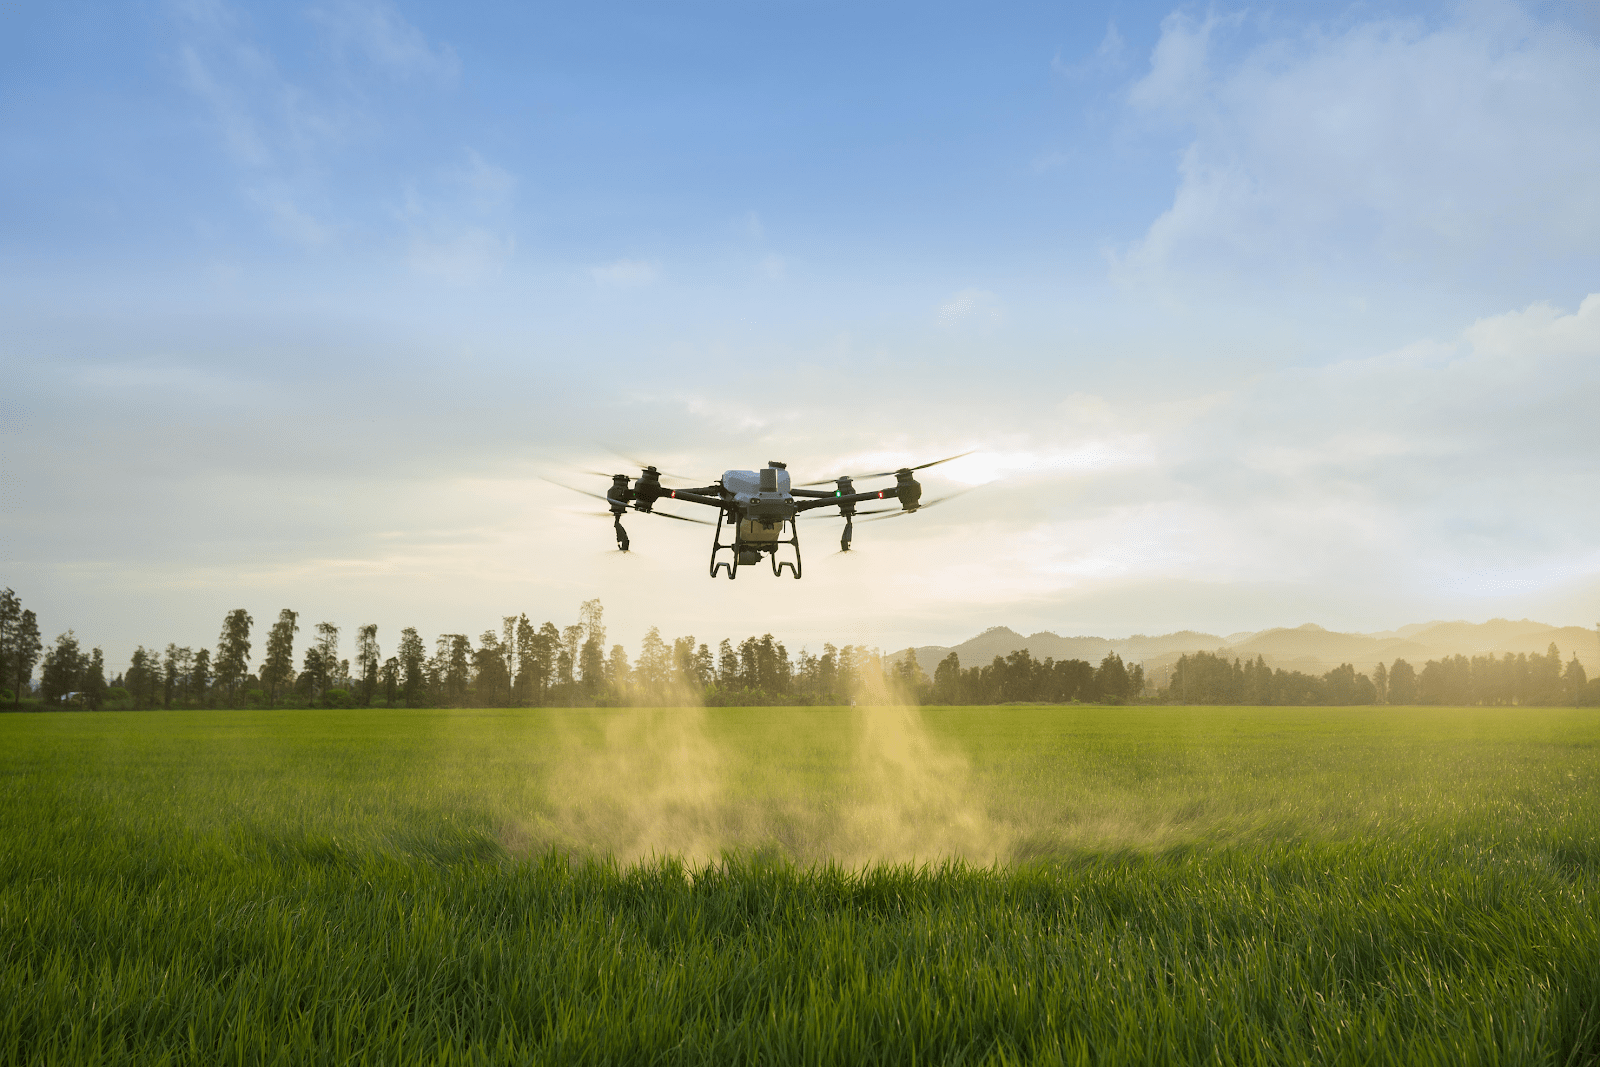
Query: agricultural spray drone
[[760, 507]]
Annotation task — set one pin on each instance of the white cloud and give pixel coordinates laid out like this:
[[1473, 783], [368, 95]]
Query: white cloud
[[490, 184], [1445, 476], [625, 273], [1468, 457], [773, 266], [969, 306], [462, 256], [289, 220], [380, 34], [1477, 138], [458, 230], [1109, 55], [284, 132], [244, 142]]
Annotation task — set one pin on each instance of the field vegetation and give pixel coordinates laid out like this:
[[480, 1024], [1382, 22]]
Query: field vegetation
[[830, 885]]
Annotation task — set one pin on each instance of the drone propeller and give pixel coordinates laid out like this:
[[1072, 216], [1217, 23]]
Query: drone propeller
[[822, 514], [887, 474], [895, 513], [575, 489], [642, 465], [607, 514], [670, 515], [657, 514]]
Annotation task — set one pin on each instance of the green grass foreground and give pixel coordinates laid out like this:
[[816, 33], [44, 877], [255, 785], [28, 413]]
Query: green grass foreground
[[1129, 885]]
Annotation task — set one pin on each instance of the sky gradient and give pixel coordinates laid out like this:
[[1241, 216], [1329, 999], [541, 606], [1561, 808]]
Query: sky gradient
[[1255, 315]]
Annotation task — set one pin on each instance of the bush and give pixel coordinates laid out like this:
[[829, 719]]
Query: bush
[[338, 698]]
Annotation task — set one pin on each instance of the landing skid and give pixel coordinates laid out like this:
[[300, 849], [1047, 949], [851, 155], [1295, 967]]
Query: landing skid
[[731, 566]]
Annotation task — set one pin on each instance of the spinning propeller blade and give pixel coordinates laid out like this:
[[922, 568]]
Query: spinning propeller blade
[[639, 464], [575, 489], [670, 515], [607, 514], [897, 470], [895, 513]]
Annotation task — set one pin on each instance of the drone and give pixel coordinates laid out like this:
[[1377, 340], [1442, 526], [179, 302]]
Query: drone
[[758, 508]]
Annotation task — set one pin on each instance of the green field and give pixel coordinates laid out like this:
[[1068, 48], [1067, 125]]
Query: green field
[[774, 885]]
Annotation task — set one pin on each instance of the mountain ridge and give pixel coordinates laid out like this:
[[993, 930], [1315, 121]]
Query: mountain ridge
[[1308, 647]]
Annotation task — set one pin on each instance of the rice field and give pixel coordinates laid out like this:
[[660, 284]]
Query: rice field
[[781, 885]]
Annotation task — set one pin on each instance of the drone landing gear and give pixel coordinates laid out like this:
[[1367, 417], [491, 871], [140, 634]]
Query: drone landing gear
[[793, 565], [745, 552]]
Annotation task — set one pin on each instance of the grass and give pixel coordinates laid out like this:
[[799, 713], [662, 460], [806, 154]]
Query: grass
[[964, 885]]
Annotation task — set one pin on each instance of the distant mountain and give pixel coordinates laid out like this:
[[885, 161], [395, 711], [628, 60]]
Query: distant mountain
[[1002, 641], [1308, 648]]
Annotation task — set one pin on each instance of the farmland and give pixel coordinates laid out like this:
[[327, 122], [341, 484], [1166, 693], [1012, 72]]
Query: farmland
[[998, 884]]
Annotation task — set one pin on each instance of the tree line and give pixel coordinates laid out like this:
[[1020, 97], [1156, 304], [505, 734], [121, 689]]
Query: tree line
[[519, 664], [1520, 679], [516, 664]]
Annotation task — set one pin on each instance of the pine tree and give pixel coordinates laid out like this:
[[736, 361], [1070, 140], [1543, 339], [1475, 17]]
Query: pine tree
[[592, 667], [25, 651], [233, 652], [62, 669], [1402, 683], [139, 677], [94, 680], [327, 658], [413, 656], [200, 678], [544, 665], [278, 668], [1111, 679], [367, 661], [524, 682], [654, 669], [10, 619]]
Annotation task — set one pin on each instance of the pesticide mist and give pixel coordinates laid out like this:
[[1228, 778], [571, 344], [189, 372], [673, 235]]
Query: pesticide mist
[[854, 785]]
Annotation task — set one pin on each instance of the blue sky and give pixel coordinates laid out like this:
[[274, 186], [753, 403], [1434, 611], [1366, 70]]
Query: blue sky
[[1255, 314]]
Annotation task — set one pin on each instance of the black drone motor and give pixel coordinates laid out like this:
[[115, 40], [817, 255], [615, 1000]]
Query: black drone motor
[[647, 489], [848, 510], [617, 497], [908, 489]]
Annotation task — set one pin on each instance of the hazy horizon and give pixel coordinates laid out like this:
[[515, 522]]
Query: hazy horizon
[[1253, 316]]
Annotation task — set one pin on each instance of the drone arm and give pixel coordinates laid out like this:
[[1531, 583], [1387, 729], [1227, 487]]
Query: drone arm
[[693, 496], [850, 498], [829, 493]]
